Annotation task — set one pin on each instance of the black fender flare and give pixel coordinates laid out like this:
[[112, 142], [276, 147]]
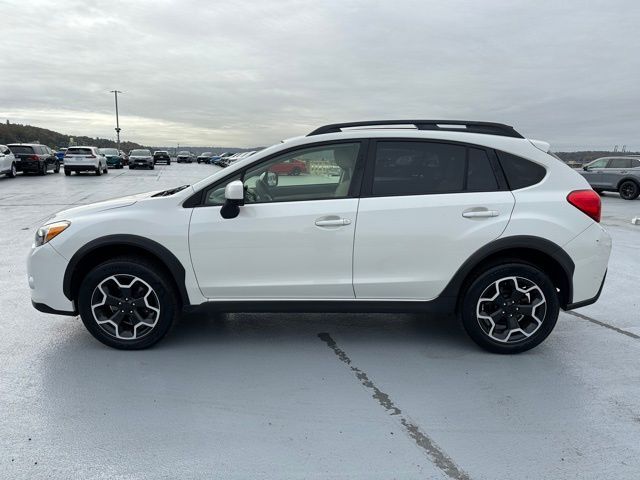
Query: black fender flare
[[162, 253], [529, 242]]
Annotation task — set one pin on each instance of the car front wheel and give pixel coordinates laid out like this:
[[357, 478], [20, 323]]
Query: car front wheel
[[127, 303], [12, 171], [629, 190], [510, 308]]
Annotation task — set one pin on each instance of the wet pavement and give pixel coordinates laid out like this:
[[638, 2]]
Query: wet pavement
[[310, 396]]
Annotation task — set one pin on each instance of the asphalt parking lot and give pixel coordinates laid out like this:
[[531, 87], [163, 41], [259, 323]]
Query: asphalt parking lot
[[310, 396]]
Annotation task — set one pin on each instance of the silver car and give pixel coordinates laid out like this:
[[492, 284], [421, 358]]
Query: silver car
[[141, 158], [614, 174]]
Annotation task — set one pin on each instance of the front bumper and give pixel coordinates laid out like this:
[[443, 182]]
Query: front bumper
[[45, 271], [114, 162]]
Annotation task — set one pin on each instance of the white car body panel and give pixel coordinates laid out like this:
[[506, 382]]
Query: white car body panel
[[6, 159], [410, 247], [279, 245]]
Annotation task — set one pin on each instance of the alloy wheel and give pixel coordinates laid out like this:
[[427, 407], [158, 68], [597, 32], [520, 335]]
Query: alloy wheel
[[511, 309], [125, 307]]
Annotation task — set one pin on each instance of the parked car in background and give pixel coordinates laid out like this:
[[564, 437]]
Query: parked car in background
[[614, 174], [7, 162], [60, 154], [184, 157], [290, 167], [466, 218], [84, 159], [204, 157], [34, 158], [114, 160], [161, 156], [217, 159], [141, 158]]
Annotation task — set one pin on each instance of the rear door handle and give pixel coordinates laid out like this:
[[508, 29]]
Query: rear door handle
[[332, 222], [480, 213]]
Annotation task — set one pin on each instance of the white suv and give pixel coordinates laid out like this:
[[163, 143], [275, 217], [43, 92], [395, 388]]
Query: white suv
[[84, 159], [443, 216]]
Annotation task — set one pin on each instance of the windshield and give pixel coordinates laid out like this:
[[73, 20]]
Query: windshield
[[108, 151], [183, 153], [140, 153]]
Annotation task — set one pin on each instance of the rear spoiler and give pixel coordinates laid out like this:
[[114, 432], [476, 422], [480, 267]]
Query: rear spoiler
[[541, 145]]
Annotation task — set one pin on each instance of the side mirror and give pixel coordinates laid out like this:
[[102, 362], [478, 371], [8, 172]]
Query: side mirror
[[234, 195], [272, 179], [586, 168]]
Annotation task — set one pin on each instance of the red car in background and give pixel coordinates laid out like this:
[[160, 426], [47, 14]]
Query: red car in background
[[290, 167]]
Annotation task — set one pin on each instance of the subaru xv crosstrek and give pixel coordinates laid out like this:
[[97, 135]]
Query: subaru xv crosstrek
[[431, 216]]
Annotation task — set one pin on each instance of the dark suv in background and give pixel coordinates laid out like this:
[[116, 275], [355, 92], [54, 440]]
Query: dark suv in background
[[614, 174], [161, 156], [34, 158]]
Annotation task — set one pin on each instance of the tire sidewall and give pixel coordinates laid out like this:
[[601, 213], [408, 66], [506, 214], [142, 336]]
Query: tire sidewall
[[482, 281], [159, 283], [636, 191]]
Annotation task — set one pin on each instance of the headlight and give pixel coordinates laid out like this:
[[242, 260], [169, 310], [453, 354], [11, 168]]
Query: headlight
[[48, 232]]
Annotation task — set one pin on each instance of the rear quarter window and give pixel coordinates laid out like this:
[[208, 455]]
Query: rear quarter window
[[519, 171]]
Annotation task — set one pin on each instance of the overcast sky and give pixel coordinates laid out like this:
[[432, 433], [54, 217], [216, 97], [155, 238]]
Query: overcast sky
[[246, 73]]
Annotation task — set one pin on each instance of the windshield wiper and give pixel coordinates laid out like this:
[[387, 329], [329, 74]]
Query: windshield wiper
[[166, 193]]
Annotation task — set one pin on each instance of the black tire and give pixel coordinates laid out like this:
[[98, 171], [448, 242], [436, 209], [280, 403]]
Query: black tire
[[12, 171], [479, 328], [296, 171], [164, 298], [42, 168], [67, 172], [169, 162], [599, 191], [629, 190], [106, 170], [131, 167], [98, 170], [152, 167], [56, 168]]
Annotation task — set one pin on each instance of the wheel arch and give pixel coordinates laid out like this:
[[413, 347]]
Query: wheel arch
[[104, 248], [625, 179], [536, 251]]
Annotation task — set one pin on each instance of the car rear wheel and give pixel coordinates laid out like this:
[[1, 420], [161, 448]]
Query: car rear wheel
[[12, 171], [42, 168], [98, 170], [127, 303], [67, 172], [56, 168], [629, 190], [510, 308]]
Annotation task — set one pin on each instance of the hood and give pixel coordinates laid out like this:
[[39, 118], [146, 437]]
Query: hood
[[92, 208]]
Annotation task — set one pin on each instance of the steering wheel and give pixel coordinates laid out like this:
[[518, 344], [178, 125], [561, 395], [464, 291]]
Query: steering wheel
[[262, 191]]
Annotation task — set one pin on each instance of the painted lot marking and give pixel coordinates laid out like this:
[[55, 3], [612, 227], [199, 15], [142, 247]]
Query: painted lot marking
[[437, 456], [605, 325]]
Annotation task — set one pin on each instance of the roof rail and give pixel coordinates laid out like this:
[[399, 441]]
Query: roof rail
[[487, 128]]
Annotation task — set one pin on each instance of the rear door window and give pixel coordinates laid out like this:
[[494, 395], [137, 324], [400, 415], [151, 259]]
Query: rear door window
[[418, 168], [424, 168], [619, 163]]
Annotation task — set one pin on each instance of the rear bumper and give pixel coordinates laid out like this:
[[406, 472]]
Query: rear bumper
[[590, 252], [80, 168], [27, 166]]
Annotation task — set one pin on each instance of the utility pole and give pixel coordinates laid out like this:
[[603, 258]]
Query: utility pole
[[116, 92]]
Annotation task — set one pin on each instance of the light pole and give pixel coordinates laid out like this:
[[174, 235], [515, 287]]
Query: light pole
[[116, 92]]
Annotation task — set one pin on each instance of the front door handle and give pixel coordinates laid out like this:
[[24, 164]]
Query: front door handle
[[332, 222], [480, 213]]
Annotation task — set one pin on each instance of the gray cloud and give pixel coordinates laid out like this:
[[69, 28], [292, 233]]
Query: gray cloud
[[250, 73]]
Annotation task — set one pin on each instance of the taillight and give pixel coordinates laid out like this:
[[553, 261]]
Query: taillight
[[587, 201], [33, 157]]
